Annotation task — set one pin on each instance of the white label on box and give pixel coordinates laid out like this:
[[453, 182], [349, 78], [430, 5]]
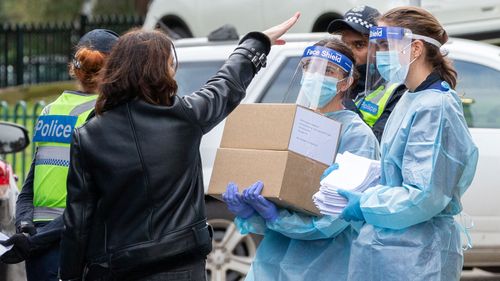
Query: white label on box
[[314, 136]]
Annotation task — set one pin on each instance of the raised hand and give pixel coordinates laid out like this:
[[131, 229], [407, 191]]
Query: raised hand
[[274, 33]]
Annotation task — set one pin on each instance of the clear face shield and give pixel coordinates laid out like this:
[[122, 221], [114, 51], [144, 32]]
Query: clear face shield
[[321, 73], [389, 51], [389, 56]]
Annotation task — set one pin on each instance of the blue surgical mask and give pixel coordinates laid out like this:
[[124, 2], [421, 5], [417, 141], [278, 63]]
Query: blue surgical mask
[[311, 84], [390, 68]]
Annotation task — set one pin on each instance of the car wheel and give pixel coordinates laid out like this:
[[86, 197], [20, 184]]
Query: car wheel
[[232, 252]]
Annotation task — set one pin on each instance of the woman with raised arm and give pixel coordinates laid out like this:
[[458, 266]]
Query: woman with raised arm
[[135, 207]]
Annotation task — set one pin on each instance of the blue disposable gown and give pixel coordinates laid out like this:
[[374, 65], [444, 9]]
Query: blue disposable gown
[[301, 247], [428, 162]]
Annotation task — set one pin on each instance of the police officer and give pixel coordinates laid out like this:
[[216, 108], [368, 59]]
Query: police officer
[[374, 107], [43, 197]]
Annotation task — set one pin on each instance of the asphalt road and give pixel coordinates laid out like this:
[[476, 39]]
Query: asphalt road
[[479, 275]]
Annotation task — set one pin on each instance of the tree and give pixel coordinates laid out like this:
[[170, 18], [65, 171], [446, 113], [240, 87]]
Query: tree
[[34, 11], [41, 10], [141, 6], [113, 7], [3, 17]]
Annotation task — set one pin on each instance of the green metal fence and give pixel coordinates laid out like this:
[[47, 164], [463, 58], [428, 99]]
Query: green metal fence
[[25, 114], [36, 53]]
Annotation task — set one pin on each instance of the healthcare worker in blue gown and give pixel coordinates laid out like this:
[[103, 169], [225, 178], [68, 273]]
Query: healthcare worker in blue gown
[[428, 159], [297, 246]]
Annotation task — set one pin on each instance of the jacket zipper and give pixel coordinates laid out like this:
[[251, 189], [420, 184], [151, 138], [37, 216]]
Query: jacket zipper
[[144, 170]]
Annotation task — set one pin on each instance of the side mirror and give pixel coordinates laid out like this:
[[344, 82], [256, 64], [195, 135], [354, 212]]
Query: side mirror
[[13, 138]]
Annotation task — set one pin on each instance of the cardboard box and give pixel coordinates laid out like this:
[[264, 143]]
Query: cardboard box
[[284, 127], [286, 146], [290, 180]]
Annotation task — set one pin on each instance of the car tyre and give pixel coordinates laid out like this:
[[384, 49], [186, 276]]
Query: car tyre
[[232, 252]]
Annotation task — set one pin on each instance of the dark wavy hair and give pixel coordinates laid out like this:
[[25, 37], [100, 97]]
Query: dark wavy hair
[[138, 67]]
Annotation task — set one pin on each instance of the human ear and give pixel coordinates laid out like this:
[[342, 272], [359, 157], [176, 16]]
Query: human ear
[[417, 49]]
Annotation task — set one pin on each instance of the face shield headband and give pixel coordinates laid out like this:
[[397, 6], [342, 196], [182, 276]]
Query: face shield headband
[[330, 55], [388, 52], [398, 33]]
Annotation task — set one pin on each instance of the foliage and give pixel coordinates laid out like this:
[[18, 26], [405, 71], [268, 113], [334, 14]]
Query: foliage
[[34, 93], [31, 95], [35, 11], [109, 7]]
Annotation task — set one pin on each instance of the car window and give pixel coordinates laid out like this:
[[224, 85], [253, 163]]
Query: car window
[[191, 76], [276, 92], [479, 88]]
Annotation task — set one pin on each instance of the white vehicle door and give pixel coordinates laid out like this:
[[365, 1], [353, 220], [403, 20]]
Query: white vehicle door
[[312, 12], [245, 15], [457, 11], [277, 10], [479, 85]]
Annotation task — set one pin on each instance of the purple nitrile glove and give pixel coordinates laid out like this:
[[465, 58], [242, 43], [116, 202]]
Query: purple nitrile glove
[[351, 212], [235, 203], [264, 207]]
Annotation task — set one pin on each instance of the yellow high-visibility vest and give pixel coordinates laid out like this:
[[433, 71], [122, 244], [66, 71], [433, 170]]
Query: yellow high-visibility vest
[[373, 105], [52, 137]]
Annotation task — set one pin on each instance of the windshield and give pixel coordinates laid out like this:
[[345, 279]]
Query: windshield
[[191, 76]]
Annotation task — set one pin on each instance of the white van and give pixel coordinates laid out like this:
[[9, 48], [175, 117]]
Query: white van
[[478, 66], [478, 19]]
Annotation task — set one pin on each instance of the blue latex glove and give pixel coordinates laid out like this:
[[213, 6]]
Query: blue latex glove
[[235, 203], [264, 207], [353, 210], [328, 170]]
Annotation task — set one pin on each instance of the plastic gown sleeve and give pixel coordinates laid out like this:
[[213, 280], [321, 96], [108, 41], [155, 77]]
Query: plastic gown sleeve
[[437, 164], [303, 227], [254, 224], [294, 225], [358, 139]]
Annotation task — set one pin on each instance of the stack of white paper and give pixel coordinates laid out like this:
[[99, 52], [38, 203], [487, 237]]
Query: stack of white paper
[[355, 173]]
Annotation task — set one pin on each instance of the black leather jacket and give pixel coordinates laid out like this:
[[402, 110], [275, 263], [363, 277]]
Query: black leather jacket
[[135, 187]]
